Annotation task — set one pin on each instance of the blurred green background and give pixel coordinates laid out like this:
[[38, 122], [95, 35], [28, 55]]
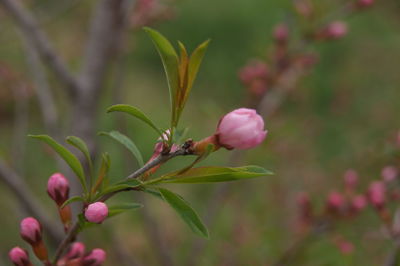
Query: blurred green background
[[338, 117]]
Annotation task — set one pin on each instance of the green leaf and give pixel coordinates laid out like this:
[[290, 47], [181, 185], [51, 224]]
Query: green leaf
[[81, 145], [170, 62], [216, 174], [186, 212], [102, 178], [153, 192], [127, 142], [68, 157], [127, 184], [72, 199], [129, 109], [120, 208], [195, 62]]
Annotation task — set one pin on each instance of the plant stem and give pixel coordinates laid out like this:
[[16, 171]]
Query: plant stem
[[73, 232]]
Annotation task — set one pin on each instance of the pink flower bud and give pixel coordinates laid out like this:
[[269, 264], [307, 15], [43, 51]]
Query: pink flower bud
[[335, 30], [96, 212], [281, 33], [19, 257], [31, 230], [345, 247], [58, 188], [358, 203], [365, 3], [335, 201], [76, 250], [255, 76], [389, 173], [350, 179], [242, 129], [95, 258], [376, 194]]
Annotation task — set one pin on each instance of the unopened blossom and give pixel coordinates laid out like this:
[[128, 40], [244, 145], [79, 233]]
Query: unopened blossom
[[242, 128], [58, 188], [96, 212], [335, 201], [335, 30], [19, 257], [350, 179], [281, 33], [31, 230], [95, 258], [254, 75], [345, 247], [376, 194], [389, 173], [358, 203], [76, 250]]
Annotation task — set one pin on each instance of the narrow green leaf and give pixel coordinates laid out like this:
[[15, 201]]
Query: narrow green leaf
[[195, 62], [127, 142], [129, 109], [72, 199], [170, 62], [128, 184], [81, 145], [186, 212], [153, 192], [216, 174], [68, 157], [120, 208], [102, 178]]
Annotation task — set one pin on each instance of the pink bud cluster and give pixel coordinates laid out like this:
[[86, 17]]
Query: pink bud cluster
[[32, 232], [76, 255], [255, 76], [349, 203]]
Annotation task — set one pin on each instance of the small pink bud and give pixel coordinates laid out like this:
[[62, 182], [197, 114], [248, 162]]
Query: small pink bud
[[255, 69], [242, 129], [335, 201], [345, 247], [31, 230], [281, 33], [389, 173], [95, 258], [58, 188], [96, 212], [365, 3], [358, 203], [376, 194], [19, 257], [76, 250], [350, 179], [335, 30]]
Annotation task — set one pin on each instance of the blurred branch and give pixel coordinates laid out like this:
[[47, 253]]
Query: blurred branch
[[28, 201], [108, 26], [47, 102], [30, 28], [393, 257], [20, 125]]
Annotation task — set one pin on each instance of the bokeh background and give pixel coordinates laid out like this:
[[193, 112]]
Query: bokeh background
[[340, 116]]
